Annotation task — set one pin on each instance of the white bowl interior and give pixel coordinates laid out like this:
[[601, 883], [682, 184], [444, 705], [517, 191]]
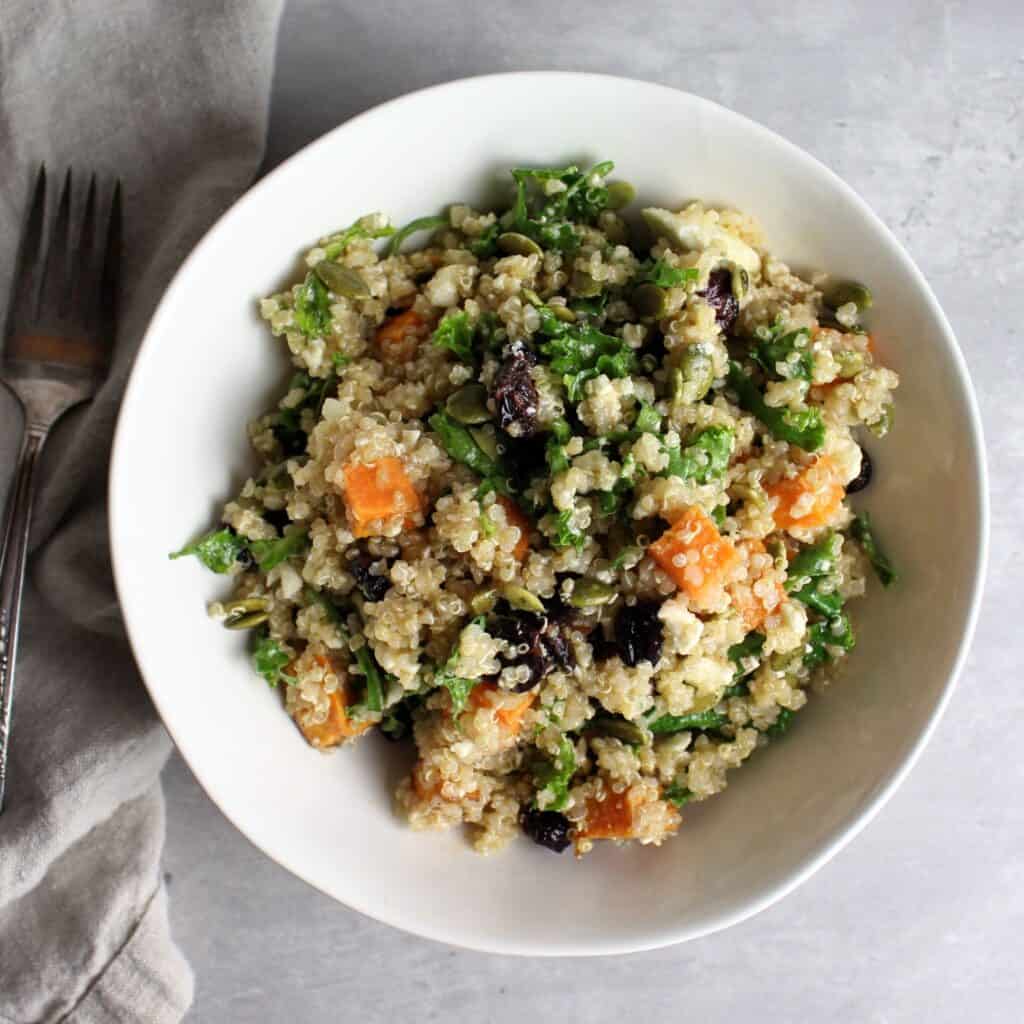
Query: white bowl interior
[[209, 365]]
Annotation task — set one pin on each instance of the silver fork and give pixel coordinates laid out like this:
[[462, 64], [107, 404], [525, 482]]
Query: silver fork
[[59, 336]]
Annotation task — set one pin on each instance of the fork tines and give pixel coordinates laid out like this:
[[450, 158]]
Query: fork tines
[[64, 296]]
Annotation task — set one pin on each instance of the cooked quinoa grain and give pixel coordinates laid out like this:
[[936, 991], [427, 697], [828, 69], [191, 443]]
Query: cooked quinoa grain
[[561, 506]]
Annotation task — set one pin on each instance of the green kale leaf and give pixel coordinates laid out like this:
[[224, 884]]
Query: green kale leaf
[[218, 550], [270, 660], [270, 553]]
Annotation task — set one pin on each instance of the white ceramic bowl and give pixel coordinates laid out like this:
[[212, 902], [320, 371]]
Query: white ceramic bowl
[[208, 365]]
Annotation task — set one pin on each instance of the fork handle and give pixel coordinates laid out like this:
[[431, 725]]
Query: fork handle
[[12, 576]]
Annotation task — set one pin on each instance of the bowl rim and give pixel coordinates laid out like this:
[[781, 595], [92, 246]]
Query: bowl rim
[[598, 946]]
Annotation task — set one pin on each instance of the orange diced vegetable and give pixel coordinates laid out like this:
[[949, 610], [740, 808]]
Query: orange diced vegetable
[[515, 517], [751, 605], [399, 336], [695, 555], [336, 727], [378, 490], [809, 500], [610, 818], [507, 710]]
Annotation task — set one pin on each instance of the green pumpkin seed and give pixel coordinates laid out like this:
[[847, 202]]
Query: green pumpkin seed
[[521, 599], [649, 300], [618, 728], [532, 298], [248, 604], [483, 601], [563, 313], [342, 280], [250, 621], [469, 404], [486, 440], [843, 292], [740, 283], [696, 375], [515, 244], [620, 194], [583, 285], [850, 361], [589, 593]]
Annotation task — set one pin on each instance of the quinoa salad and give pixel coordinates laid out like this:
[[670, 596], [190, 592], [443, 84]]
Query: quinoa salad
[[557, 495]]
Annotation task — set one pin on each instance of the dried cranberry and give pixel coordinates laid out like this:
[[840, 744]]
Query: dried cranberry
[[718, 295], [545, 639], [372, 586], [516, 628], [863, 478], [277, 517], [515, 393], [638, 633], [548, 829], [602, 647]]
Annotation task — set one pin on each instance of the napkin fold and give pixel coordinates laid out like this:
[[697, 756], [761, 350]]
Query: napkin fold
[[171, 98]]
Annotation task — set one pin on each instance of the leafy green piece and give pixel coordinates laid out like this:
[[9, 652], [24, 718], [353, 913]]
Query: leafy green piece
[[679, 795], [459, 444], [831, 633], [486, 244], [591, 306], [340, 360], [554, 449], [458, 687], [660, 273], [218, 550], [566, 535], [697, 720], [774, 347], [819, 596], [455, 333], [749, 647], [431, 223], [374, 699], [547, 216], [270, 553], [339, 242], [611, 502], [648, 420], [552, 778], [802, 427], [397, 720], [313, 307], [813, 561], [705, 457], [718, 514], [810, 577], [862, 532], [579, 352], [781, 724], [270, 660]]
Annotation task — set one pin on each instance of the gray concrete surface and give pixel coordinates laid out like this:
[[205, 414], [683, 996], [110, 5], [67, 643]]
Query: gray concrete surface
[[918, 105]]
